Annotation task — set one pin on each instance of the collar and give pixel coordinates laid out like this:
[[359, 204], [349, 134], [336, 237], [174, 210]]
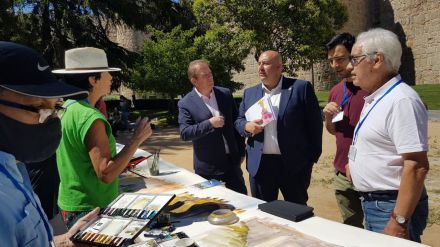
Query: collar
[[276, 89], [10, 163], [380, 91], [203, 96]]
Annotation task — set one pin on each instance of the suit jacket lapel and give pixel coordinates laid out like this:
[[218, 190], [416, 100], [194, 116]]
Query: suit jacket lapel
[[286, 91], [220, 99], [198, 102]]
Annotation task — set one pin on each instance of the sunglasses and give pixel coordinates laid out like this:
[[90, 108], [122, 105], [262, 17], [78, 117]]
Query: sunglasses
[[45, 114]]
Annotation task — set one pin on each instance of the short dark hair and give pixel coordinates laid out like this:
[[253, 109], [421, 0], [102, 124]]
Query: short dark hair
[[345, 39], [81, 80]]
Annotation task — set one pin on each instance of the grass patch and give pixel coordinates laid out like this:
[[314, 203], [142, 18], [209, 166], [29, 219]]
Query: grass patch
[[161, 115], [430, 95], [322, 98]]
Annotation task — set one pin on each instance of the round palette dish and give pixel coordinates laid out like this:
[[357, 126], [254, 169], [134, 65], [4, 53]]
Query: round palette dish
[[222, 217]]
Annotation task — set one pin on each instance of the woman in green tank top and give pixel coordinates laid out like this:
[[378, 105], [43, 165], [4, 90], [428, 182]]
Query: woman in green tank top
[[87, 160]]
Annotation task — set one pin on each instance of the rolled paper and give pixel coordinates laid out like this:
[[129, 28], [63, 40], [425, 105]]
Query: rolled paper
[[140, 213], [94, 237], [153, 213], [144, 215], [85, 236], [90, 236], [126, 213], [114, 241], [131, 212], [104, 210], [109, 240], [110, 212], [122, 211]]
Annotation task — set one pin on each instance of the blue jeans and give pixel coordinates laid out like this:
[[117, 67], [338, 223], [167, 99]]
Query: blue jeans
[[378, 212]]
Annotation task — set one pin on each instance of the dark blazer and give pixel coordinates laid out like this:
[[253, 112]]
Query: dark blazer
[[299, 126], [209, 148]]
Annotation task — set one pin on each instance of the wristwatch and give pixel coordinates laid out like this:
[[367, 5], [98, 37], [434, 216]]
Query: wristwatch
[[401, 220]]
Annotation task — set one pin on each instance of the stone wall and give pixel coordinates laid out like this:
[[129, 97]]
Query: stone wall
[[417, 22]]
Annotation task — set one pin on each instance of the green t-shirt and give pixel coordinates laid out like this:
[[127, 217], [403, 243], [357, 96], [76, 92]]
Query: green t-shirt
[[80, 187]]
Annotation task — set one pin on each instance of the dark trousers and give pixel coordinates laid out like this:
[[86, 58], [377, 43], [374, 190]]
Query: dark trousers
[[233, 179], [273, 176]]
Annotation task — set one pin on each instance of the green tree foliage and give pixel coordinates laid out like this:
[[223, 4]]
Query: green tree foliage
[[53, 26], [298, 29], [167, 54], [165, 59]]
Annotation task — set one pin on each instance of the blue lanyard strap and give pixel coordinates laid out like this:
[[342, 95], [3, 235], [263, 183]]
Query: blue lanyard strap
[[345, 99], [358, 127], [28, 198]]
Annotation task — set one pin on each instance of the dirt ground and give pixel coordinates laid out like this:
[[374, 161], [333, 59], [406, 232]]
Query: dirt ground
[[320, 192]]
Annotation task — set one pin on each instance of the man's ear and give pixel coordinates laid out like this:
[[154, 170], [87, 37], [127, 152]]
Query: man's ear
[[193, 81], [379, 58], [92, 81]]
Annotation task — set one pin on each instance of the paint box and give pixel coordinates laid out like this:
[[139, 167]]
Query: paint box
[[123, 220]]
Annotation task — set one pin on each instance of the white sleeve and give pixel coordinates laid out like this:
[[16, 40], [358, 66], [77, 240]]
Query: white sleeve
[[408, 126]]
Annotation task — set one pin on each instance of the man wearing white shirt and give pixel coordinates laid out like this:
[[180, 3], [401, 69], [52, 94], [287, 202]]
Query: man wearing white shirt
[[388, 158], [280, 155], [206, 117]]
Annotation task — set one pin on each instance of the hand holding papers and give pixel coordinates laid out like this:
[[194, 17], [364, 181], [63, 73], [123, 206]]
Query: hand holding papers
[[261, 110]]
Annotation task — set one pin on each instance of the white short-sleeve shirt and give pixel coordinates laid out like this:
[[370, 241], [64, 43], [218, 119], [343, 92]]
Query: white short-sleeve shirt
[[398, 124]]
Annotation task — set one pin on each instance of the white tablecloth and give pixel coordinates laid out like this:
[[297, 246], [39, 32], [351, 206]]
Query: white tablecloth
[[326, 230]]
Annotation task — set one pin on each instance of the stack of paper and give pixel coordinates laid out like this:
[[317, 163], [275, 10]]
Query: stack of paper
[[262, 109]]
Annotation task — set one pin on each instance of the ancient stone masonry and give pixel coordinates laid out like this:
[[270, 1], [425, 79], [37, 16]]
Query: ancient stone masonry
[[416, 22]]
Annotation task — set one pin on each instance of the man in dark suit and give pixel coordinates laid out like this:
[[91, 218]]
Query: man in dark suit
[[206, 117], [281, 154]]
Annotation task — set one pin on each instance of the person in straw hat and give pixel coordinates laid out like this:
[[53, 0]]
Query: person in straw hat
[[86, 158]]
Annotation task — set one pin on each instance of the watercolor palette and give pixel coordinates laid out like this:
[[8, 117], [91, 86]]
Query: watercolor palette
[[123, 220]]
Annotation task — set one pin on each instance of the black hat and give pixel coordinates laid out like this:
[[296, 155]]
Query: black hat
[[23, 70]]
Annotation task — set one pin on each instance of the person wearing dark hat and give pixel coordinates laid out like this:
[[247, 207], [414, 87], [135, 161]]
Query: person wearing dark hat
[[87, 161], [30, 131]]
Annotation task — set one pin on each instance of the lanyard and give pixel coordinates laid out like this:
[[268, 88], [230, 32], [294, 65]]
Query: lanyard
[[28, 198], [358, 127], [345, 99]]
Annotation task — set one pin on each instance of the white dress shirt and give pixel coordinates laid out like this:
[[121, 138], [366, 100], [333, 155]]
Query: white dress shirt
[[211, 103], [270, 145]]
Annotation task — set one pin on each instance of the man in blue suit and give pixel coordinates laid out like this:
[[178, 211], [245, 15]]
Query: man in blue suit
[[206, 117], [281, 154]]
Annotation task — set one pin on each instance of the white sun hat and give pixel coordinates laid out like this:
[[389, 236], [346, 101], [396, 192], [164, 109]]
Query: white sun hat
[[85, 60]]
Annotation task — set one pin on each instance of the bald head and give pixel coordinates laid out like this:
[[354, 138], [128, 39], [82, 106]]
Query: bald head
[[273, 55], [270, 67]]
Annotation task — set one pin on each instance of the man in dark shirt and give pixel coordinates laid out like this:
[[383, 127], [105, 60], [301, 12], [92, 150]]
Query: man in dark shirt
[[341, 116]]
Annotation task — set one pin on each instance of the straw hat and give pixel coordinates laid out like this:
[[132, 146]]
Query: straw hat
[[85, 60]]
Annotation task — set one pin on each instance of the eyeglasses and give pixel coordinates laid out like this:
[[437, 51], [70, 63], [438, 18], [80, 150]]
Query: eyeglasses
[[356, 60], [44, 113]]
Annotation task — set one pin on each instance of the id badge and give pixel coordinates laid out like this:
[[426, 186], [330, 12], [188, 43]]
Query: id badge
[[338, 117], [352, 153]]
